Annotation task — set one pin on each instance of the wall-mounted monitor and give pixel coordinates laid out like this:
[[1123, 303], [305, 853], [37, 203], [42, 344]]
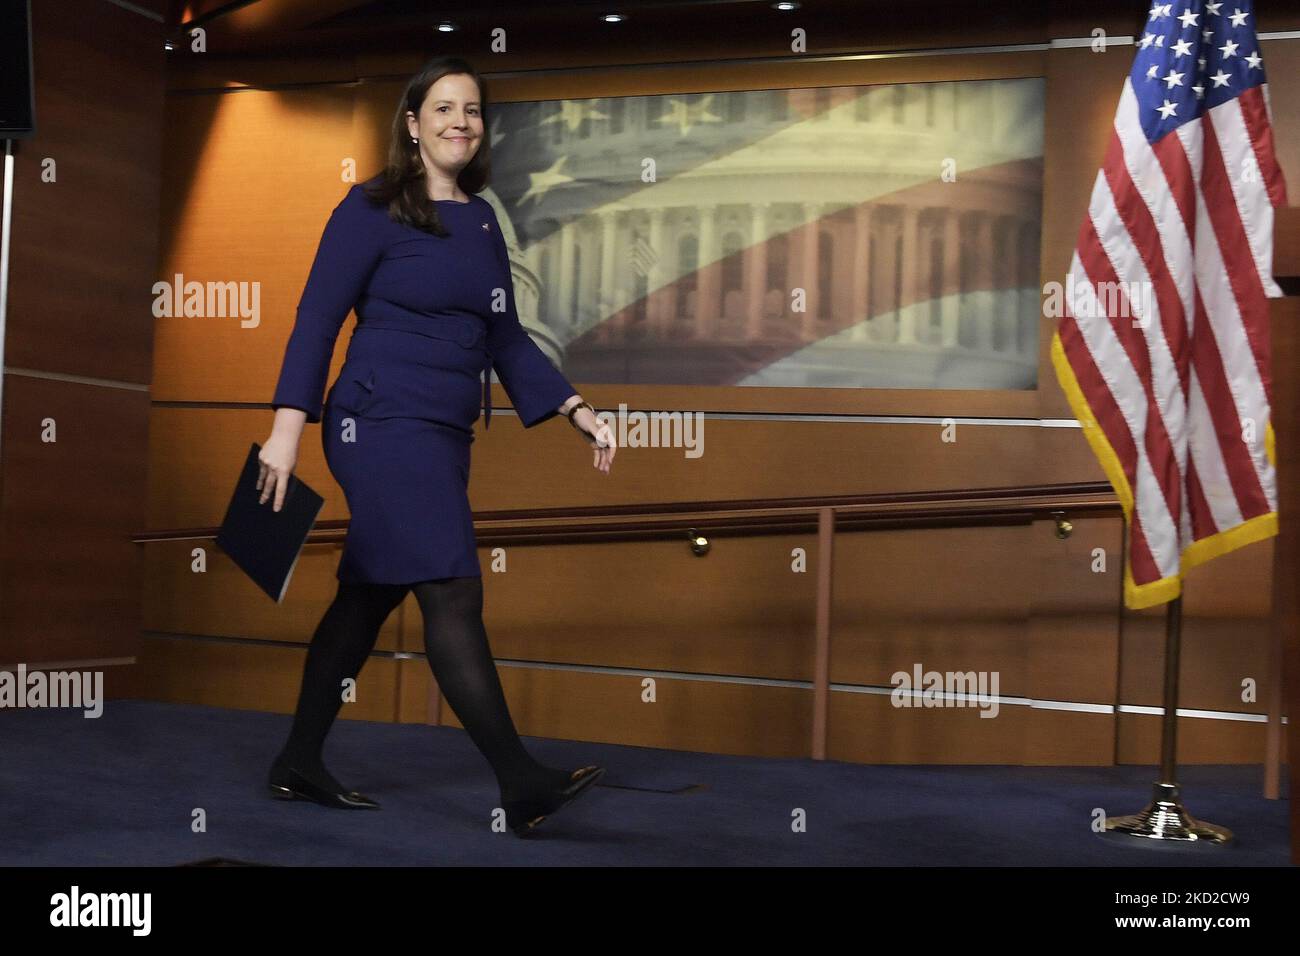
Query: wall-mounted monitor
[[17, 100]]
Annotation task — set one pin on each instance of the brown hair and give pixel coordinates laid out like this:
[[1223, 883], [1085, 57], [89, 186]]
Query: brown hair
[[402, 185]]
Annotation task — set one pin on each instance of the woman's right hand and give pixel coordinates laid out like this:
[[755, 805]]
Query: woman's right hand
[[277, 459]]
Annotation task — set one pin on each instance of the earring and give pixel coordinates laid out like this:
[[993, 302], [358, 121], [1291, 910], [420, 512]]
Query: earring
[[414, 140]]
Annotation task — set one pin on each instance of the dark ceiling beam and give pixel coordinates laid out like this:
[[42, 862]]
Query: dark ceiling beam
[[250, 17]]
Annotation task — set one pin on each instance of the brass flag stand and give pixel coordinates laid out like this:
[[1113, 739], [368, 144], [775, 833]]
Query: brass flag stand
[[1165, 821]]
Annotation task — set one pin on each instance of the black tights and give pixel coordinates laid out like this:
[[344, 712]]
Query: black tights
[[457, 647]]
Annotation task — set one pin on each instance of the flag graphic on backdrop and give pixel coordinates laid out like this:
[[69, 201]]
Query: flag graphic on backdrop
[[908, 279], [1172, 385]]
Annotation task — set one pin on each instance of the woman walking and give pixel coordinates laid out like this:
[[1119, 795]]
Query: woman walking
[[422, 260]]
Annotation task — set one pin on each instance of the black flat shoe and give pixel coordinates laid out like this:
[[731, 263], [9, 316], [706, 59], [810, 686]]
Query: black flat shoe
[[523, 816], [289, 784]]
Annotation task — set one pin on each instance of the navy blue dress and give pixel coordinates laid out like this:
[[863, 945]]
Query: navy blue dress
[[433, 316]]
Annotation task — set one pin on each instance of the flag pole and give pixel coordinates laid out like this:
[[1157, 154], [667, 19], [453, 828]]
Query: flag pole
[[1165, 821]]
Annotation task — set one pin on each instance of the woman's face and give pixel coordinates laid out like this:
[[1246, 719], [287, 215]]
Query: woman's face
[[450, 124]]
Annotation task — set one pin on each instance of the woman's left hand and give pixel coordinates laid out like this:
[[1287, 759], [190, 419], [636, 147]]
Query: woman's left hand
[[600, 436]]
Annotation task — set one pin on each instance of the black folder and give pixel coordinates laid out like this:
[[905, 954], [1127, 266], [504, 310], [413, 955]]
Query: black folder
[[264, 542]]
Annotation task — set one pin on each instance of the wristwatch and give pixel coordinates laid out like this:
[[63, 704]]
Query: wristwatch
[[574, 410], [591, 439]]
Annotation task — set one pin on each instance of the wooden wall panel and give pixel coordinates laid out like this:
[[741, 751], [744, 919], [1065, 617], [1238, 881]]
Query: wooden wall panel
[[1056, 738], [1226, 631], [1082, 90], [701, 715], [738, 610], [78, 336], [867, 728], [195, 455], [253, 677], [708, 716], [70, 589], [85, 245], [1074, 627], [262, 173], [1016, 600], [417, 704], [792, 458], [947, 599], [1282, 60], [1200, 741], [223, 602]]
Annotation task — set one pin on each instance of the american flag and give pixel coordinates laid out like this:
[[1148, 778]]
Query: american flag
[[1172, 386]]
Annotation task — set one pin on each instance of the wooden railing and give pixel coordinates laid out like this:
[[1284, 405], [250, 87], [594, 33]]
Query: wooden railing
[[824, 514], [753, 516]]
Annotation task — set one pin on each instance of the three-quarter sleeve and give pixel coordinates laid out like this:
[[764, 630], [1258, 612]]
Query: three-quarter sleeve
[[536, 387], [350, 248]]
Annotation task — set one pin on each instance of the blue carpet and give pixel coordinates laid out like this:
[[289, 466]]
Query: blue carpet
[[122, 789]]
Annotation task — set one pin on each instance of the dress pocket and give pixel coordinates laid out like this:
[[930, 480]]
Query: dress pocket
[[355, 391]]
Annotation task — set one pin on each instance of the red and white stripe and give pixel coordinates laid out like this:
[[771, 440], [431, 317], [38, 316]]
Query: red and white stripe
[[1189, 218]]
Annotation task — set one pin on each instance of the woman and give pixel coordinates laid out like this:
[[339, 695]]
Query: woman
[[424, 263]]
